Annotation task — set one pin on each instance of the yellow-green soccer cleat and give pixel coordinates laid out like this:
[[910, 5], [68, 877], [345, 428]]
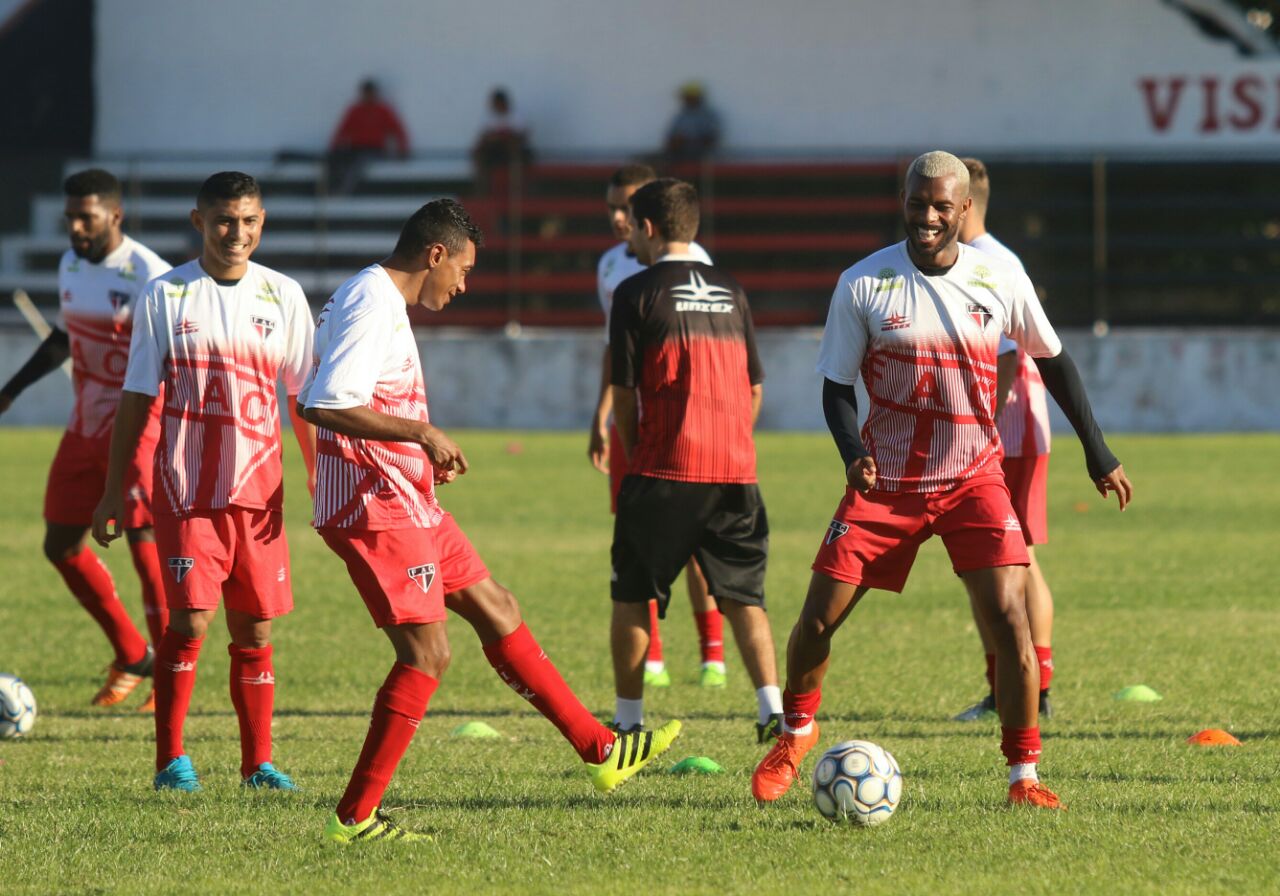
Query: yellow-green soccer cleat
[[376, 827], [631, 752]]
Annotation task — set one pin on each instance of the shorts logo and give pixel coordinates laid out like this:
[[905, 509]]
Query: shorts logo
[[1011, 524], [281, 574], [264, 325], [118, 299], [423, 575], [836, 530], [180, 566]]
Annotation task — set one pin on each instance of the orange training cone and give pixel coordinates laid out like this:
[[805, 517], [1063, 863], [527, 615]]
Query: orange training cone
[[1213, 737]]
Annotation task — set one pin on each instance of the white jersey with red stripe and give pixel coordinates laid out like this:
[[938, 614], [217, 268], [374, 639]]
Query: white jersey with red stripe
[[95, 306], [926, 347], [1024, 420], [367, 356], [219, 348], [617, 265]]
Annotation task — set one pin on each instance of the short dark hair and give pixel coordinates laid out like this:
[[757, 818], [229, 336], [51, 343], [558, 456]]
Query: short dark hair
[[636, 174], [672, 206], [979, 181], [442, 221], [226, 185], [93, 182]]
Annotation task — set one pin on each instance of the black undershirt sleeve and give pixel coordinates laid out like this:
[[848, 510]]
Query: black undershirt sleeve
[[52, 352], [1062, 380], [840, 407]]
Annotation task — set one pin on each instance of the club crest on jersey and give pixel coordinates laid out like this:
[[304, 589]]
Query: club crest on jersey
[[180, 566], [423, 575], [119, 299], [980, 314], [699, 295], [836, 530], [264, 325]]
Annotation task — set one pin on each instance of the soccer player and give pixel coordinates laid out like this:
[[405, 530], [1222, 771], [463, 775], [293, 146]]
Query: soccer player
[[920, 321], [99, 279], [216, 334], [686, 384], [1022, 418], [605, 452], [375, 506]]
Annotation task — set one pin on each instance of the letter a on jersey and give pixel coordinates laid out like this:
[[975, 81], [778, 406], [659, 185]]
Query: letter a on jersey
[[180, 566], [423, 575]]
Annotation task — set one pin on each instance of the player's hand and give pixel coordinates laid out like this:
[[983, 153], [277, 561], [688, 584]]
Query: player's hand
[[1117, 482], [861, 474], [106, 519], [443, 477], [598, 449], [443, 451]]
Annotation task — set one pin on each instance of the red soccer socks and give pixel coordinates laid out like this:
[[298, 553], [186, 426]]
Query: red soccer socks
[[146, 560], [520, 662], [1044, 655], [799, 709], [1020, 745], [655, 637], [175, 678], [710, 635], [90, 582], [398, 710], [253, 690]]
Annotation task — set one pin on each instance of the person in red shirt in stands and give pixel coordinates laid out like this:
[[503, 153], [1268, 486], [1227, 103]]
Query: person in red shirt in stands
[[366, 129]]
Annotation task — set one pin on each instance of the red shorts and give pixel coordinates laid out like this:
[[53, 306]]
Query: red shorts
[[79, 474], [1027, 478], [617, 467], [237, 554], [874, 537], [404, 574]]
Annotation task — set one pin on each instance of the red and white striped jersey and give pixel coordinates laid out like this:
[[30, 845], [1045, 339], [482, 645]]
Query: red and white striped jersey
[[95, 306], [219, 348], [1024, 421], [366, 355], [926, 346]]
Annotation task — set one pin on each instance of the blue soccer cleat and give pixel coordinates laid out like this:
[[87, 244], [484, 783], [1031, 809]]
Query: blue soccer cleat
[[179, 774], [268, 777]]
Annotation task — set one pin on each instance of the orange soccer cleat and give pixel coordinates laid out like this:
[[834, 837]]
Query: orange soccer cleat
[[1032, 793], [781, 765], [149, 705], [119, 685]]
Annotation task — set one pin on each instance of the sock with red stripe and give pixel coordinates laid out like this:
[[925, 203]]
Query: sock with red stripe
[[1021, 746], [523, 665], [398, 710], [253, 693], [90, 582], [654, 662], [146, 560], [1045, 657], [798, 711], [991, 672], [711, 636], [175, 678]]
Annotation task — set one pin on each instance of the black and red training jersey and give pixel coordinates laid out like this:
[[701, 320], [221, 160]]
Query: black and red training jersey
[[681, 335]]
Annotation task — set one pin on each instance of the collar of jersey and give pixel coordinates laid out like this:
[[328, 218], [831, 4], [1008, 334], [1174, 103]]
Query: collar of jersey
[[679, 256]]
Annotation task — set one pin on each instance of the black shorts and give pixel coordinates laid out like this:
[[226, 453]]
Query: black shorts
[[662, 523]]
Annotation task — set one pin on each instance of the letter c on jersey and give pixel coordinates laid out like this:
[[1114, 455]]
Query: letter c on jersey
[[255, 407]]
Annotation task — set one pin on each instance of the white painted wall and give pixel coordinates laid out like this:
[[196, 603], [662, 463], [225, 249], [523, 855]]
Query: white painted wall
[[1138, 380], [599, 74]]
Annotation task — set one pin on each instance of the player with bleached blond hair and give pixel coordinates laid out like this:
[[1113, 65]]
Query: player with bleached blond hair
[[920, 322]]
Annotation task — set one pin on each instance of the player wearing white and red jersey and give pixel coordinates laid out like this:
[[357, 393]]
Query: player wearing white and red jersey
[[99, 279], [380, 458], [217, 334], [920, 322], [1022, 417], [605, 448]]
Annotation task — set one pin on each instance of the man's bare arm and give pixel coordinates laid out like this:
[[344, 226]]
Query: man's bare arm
[[1006, 371], [365, 423], [625, 417], [305, 433], [598, 443], [757, 397], [126, 433]]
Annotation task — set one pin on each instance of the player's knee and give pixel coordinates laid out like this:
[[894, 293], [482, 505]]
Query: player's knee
[[59, 550], [813, 628]]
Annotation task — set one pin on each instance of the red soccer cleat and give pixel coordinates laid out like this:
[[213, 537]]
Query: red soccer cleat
[[781, 765], [1032, 793]]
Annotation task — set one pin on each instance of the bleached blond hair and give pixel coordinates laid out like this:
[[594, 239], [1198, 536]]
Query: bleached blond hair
[[941, 164]]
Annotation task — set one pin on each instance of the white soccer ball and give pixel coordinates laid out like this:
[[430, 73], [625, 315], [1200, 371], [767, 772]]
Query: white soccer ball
[[17, 706], [857, 781]]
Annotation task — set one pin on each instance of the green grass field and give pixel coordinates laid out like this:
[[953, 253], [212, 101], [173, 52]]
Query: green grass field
[[1178, 593]]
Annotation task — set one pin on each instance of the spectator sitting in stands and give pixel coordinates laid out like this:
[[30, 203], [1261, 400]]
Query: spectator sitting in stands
[[366, 129], [503, 138], [694, 132]]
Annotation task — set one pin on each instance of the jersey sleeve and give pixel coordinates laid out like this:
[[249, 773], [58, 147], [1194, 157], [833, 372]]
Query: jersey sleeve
[[844, 340], [624, 338], [699, 253], [151, 266], [1028, 325], [299, 342], [145, 371], [348, 369]]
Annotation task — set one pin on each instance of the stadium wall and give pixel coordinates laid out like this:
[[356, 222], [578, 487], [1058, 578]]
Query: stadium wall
[[241, 75], [1140, 380]]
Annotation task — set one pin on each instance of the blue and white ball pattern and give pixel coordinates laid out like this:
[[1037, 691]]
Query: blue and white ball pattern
[[17, 706], [857, 781]]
